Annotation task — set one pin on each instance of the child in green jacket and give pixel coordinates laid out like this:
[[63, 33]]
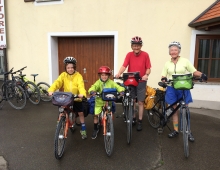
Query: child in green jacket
[[104, 82]]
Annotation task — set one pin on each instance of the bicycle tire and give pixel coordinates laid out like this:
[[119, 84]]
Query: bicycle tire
[[153, 118], [109, 137], [185, 133], [129, 122], [32, 92], [2, 100], [15, 96], [60, 140], [44, 95]]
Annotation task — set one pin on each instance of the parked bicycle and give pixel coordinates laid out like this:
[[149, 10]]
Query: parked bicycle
[[12, 92], [159, 115], [66, 120], [129, 79], [31, 90], [105, 119]]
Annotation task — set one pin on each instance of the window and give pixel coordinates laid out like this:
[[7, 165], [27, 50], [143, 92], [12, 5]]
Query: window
[[207, 56]]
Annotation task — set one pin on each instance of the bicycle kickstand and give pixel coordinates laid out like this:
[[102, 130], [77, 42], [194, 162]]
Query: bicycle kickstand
[[160, 130]]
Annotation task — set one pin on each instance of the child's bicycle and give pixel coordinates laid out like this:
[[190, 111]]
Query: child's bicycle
[[42, 86], [158, 116], [66, 120], [105, 119]]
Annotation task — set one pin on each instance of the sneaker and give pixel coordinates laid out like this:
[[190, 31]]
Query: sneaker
[[139, 126], [95, 133], [191, 138], [83, 134], [173, 134]]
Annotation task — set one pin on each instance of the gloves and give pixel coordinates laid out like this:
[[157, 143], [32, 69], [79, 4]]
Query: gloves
[[204, 77], [92, 93], [164, 79]]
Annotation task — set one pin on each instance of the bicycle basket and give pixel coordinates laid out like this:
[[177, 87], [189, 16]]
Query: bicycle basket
[[109, 94], [131, 78], [182, 81], [62, 99]]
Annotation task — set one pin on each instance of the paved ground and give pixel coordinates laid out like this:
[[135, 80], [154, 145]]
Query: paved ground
[[26, 143]]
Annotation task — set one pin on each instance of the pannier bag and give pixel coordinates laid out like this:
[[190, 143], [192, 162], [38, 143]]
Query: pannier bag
[[131, 78], [109, 94], [149, 100], [86, 107], [182, 81], [62, 99]]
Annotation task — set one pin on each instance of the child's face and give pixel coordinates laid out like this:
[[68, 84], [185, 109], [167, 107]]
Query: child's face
[[69, 68], [104, 77]]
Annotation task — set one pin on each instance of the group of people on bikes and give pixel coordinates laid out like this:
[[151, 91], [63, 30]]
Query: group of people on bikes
[[136, 61]]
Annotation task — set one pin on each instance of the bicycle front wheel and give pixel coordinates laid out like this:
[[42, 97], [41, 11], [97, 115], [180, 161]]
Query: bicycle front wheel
[[185, 133], [59, 140], [15, 96], [2, 100], [153, 118], [44, 95], [129, 113], [32, 92], [109, 136]]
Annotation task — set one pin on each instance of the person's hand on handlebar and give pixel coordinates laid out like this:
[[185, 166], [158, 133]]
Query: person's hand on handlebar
[[164, 79], [50, 93], [117, 75], [92, 93], [145, 77], [80, 95], [204, 77]]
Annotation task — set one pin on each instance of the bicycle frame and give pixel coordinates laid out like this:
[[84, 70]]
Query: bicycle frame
[[106, 110]]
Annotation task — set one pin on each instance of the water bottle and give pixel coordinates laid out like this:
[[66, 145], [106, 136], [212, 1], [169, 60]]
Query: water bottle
[[169, 111]]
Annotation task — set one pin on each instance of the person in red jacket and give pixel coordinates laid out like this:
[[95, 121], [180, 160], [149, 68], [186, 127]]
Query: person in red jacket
[[137, 61]]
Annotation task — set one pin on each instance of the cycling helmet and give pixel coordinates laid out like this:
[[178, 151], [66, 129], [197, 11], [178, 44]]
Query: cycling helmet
[[104, 69], [174, 43], [136, 40], [69, 59]]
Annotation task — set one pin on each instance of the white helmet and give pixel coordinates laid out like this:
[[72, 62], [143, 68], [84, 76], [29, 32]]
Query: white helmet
[[175, 43], [69, 59]]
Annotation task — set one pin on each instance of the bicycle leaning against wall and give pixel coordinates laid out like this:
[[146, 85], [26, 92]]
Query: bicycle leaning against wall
[[12, 93], [160, 115]]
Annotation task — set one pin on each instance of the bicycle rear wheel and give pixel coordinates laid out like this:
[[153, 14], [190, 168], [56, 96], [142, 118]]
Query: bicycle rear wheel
[[109, 136], [44, 95], [15, 96], [59, 140], [185, 133], [153, 118], [32, 92], [129, 118]]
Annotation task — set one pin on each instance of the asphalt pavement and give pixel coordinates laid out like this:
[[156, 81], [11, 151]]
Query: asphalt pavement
[[26, 143]]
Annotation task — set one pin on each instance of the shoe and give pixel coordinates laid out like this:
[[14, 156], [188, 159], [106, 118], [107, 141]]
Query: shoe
[[191, 138], [83, 134], [94, 133], [173, 134], [139, 126]]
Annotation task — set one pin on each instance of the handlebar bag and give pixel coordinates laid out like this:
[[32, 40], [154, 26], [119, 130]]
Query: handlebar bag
[[109, 94], [131, 78], [182, 81], [62, 99]]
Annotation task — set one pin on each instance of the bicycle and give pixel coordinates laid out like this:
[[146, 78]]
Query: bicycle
[[158, 117], [105, 119], [12, 93], [42, 86], [128, 103], [66, 120], [31, 90]]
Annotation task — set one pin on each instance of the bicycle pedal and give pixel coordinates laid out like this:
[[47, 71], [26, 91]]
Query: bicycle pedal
[[160, 130]]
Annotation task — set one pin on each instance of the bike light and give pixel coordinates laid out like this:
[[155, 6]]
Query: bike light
[[108, 107], [127, 94], [61, 109]]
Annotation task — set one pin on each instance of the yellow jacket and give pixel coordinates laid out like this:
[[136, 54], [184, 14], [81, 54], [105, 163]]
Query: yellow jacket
[[70, 83]]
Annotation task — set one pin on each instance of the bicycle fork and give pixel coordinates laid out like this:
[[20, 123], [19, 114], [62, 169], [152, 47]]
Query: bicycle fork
[[104, 119]]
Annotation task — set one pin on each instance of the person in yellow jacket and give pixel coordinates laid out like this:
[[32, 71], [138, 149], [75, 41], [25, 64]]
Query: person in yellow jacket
[[72, 81]]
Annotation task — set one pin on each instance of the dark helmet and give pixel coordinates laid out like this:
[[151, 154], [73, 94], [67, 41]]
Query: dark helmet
[[136, 40], [69, 59]]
